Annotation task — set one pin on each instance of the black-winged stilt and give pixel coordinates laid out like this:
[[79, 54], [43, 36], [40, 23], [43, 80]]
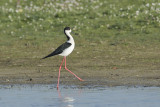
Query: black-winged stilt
[[64, 50]]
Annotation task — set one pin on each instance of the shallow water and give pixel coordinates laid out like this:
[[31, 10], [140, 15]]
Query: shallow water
[[48, 96]]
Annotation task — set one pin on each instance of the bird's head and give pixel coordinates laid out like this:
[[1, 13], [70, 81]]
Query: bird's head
[[67, 29]]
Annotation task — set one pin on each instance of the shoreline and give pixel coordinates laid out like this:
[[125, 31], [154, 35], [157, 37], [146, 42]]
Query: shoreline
[[118, 77]]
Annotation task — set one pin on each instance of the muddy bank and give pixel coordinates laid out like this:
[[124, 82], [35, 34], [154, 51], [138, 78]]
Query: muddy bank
[[100, 76]]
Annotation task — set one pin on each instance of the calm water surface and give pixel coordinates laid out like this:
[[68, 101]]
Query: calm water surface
[[48, 96]]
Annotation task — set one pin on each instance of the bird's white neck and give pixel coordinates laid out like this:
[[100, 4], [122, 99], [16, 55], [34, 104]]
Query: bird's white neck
[[69, 36]]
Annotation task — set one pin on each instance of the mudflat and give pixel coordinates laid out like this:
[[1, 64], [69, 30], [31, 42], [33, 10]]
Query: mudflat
[[94, 73]]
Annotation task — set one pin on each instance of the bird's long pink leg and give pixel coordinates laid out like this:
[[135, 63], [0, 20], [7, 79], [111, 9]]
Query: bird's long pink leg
[[59, 73], [70, 71]]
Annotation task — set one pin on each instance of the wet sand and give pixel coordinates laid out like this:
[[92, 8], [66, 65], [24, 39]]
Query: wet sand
[[99, 76]]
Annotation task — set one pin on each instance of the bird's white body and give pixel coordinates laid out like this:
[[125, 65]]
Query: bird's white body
[[68, 50]]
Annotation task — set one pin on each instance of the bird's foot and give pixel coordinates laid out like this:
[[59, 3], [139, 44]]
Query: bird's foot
[[80, 79]]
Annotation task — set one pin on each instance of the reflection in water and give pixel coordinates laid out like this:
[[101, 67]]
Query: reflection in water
[[66, 100], [49, 96]]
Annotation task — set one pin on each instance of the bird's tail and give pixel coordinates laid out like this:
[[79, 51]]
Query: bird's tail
[[45, 57], [52, 54]]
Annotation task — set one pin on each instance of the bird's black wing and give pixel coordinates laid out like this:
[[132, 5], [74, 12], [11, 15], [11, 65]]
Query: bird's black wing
[[59, 50]]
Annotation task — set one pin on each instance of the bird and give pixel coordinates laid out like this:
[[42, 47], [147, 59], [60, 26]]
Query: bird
[[64, 50]]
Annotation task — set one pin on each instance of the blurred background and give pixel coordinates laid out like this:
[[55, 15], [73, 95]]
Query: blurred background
[[109, 34]]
